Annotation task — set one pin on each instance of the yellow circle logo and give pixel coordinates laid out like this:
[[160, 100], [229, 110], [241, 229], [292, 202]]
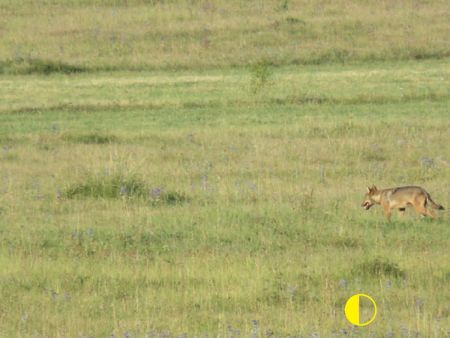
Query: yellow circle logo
[[356, 313]]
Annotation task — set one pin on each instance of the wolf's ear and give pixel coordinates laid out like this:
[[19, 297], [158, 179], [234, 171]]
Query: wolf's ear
[[369, 189], [374, 188]]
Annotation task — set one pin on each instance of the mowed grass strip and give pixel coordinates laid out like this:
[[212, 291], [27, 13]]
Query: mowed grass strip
[[214, 91]]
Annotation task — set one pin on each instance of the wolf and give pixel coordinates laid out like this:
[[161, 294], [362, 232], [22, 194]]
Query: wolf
[[400, 198]]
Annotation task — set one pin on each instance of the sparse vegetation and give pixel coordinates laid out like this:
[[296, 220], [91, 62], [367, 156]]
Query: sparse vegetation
[[166, 203], [76, 35]]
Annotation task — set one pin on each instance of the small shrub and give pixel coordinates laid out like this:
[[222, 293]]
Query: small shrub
[[284, 5], [168, 197], [291, 20], [261, 73], [122, 185], [379, 267], [109, 186], [374, 157], [91, 138]]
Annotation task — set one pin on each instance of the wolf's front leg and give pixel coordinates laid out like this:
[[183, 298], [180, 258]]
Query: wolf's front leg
[[387, 211]]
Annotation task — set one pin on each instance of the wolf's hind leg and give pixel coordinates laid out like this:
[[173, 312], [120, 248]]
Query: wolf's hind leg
[[420, 207], [431, 213]]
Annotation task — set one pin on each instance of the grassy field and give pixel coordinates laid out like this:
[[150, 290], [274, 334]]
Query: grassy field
[[217, 192], [83, 35]]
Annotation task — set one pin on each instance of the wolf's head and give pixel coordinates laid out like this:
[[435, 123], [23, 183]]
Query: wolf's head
[[371, 197]]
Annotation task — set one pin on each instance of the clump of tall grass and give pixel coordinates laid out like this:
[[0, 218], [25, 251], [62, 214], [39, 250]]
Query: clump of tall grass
[[116, 185], [284, 5], [379, 267], [261, 72], [90, 138], [123, 185], [159, 196]]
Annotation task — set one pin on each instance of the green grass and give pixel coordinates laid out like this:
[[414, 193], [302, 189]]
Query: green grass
[[189, 203], [195, 167], [71, 36]]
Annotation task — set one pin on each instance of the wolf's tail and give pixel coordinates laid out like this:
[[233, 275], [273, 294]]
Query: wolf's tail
[[433, 204]]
